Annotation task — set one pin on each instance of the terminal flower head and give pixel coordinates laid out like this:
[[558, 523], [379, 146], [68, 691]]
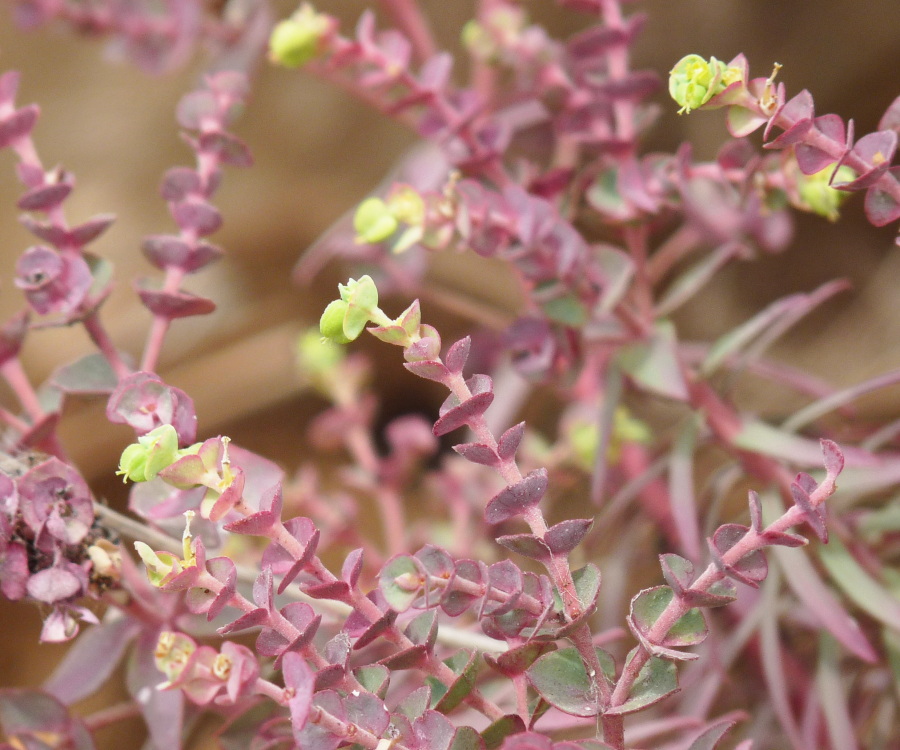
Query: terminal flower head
[[694, 81]]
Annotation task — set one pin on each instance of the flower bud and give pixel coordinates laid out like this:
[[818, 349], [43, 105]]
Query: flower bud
[[298, 39], [143, 460], [373, 221], [694, 81], [331, 324], [817, 196], [159, 564]]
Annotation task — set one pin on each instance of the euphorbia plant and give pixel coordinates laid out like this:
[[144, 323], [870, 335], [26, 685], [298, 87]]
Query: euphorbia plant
[[516, 591]]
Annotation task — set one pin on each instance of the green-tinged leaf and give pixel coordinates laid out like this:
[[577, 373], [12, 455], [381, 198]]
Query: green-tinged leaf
[[90, 374], [618, 269], [466, 738], [566, 310], [465, 666], [422, 630], [709, 739], [561, 679], [649, 604], [587, 584], [654, 365], [760, 437], [517, 659], [882, 520], [830, 687], [415, 704], [604, 195], [394, 335], [657, 679], [374, 678], [102, 273], [863, 590], [891, 640], [400, 582], [502, 728], [695, 278]]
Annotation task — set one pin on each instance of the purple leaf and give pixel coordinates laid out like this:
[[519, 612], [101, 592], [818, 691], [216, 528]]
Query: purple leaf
[[457, 355], [179, 183], [429, 369], [173, 305], [299, 678], [197, 215], [454, 414], [90, 660], [17, 124], [352, 567], [337, 590], [228, 148], [518, 659], [250, 620], [454, 601], [409, 658], [565, 536], [527, 545], [815, 517], [434, 731], [518, 498], [750, 569], [478, 453], [367, 711], [509, 441], [881, 207], [164, 250], [890, 120], [812, 159], [44, 197]]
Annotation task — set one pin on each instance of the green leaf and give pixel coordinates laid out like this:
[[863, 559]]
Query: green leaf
[[657, 679], [561, 679], [587, 584], [653, 364], [400, 594], [649, 604], [466, 738], [867, 593], [567, 310], [465, 666], [709, 739], [90, 374], [502, 728], [374, 678]]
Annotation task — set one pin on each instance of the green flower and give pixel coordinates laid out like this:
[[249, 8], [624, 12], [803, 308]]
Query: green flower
[[377, 220], [153, 452], [345, 318], [694, 81], [818, 197], [373, 221], [298, 39]]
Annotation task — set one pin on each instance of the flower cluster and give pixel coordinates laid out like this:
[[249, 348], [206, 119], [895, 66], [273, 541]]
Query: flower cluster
[[50, 549]]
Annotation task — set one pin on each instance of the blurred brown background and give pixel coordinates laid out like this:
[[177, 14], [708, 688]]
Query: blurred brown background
[[318, 153]]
